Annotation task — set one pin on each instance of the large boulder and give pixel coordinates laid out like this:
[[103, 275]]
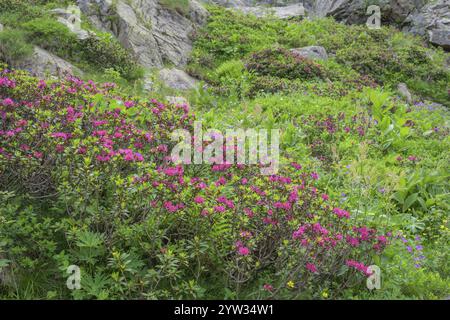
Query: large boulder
[[312, 52], [71, 18], [432, 22], [154, 33], [177, 79], [355, 11], [44, 64], [282, 12]]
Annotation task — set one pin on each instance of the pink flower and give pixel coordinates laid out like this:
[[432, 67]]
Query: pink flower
[[325, 197], [8, 102], [219, 208], [358, 266], [59, 148], [62, 135], [38, 155], [341, 213], [243, 251], [220, 181], [268, 287], [311, 267], [174, 171], [199, 200], [299, 233], [296, 165], [129, 104]]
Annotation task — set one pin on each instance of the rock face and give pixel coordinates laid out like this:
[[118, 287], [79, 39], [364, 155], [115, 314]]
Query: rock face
[[349, 11], [155, 34], [285, 12], [433, 22], [71, 18], [177, 79], [355, 11], [42, 64], [312, 52]]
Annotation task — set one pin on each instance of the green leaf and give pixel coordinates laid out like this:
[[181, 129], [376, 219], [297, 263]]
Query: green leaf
[[410, 201]]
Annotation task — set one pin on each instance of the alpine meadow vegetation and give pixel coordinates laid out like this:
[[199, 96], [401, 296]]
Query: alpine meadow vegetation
[[87, 178]]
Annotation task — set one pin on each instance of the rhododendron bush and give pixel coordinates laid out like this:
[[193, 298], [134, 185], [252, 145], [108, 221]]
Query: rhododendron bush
[[89, 173]]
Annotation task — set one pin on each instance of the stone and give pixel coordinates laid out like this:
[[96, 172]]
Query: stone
[[177, 100], [432, 22], [43, 64], [148, 84], [153, 33], [440, 37], [312, 52], [177, 79], [71, 18], [285, 12], [1, 27], [402, 89]]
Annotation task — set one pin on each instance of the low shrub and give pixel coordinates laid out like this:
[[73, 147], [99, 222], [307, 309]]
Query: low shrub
[[105, 52], [52, 36], [14, 46], [94, 167], [283, 63]]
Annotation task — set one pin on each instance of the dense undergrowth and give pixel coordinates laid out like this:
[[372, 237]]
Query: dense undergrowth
[[358, 57], [31, 23], [85, 179]]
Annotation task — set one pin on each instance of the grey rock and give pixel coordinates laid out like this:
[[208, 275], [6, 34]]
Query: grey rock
[[440, 37], [285, 12], [148, 84], [355, 11], [71, 18], [177, 100], [402, 89], [177, 79], [312, 52], [43, 64], [348, 11], [153, 33], [1, 27], [432, 22]]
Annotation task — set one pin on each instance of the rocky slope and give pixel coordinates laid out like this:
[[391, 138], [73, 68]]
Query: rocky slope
[[155, 34], [160, 35]]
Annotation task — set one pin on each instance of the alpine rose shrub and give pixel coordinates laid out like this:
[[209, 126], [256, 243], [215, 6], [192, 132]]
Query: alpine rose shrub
[[283, 63], [99, 163]]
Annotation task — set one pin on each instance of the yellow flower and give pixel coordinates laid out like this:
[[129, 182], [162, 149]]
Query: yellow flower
[[291, 284], [325, 294]]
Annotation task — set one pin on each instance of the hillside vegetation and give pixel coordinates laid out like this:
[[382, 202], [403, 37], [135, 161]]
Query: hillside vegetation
[[85, 177]]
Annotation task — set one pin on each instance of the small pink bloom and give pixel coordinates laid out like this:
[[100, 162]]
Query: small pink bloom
[[199, 200], [311, 267], [243, 251]]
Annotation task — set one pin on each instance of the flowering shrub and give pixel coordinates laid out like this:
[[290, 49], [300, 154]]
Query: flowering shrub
[[95, 168], [283, 63]]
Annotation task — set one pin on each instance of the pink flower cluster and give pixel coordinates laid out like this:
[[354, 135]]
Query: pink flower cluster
[[341, 213], [7, 83], [358, 266]]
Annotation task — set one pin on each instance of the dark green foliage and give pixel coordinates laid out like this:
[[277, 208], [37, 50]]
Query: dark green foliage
[[14, 46], [283, 63]]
